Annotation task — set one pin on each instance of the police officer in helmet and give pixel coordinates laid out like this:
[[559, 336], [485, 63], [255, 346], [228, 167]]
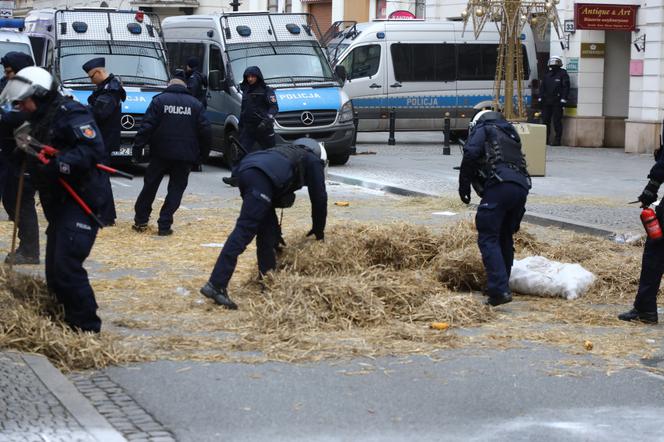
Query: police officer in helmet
[[179, 136], [69, 127], [553, 97], [268, 180], [495, 167], [28, 224], [106, 105], [652, 263]]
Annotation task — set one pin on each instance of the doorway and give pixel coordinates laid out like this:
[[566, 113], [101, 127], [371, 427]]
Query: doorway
[[615, 100]]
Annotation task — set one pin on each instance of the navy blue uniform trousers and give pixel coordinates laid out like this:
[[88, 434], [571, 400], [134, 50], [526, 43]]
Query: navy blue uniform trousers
[[552, 115], [249, 136], [28, 223], [178, 179], [652, 269], [69, 239], [257, 219], [498, 218]]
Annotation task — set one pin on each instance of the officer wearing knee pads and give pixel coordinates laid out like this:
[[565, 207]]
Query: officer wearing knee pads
[[268, 179], [69, 127], [553, 97], [652, 263], [495, 167], [179, 136], [27, 221]]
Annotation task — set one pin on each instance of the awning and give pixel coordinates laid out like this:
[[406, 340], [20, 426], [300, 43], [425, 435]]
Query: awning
[[315, 1]]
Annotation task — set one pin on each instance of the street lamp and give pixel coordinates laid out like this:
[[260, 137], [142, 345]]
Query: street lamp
[[235, 4], [510, 17]]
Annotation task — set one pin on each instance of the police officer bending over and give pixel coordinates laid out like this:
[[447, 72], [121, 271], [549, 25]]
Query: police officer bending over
[[106, 106], [652, 263], [70, 235], [268, 179], [496, 168], [179, 136], [553, 96], [28, 224]]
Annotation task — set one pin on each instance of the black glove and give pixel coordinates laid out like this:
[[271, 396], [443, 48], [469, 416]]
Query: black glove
[[649, 194], [464, 190], [320, 236], [265, 125]]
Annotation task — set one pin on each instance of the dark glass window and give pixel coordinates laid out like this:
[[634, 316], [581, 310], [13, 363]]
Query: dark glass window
[[478, 61], [423, 62], [363, 61], [179, 53]]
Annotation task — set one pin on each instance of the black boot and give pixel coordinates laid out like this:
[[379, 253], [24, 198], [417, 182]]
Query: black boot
[[556, 142], [635, 315], [230, 180], [18, 258], [220, 296], [503, 298]]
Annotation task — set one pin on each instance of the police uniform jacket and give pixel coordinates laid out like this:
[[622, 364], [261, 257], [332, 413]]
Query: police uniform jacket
[[258, 100], [196, 83], [175, 127], [475, 154], [106, 106], [555, 86], [69, 127], [281, 171]]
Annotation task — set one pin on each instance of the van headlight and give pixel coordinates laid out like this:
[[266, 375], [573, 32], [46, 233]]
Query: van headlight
[[346, 114]]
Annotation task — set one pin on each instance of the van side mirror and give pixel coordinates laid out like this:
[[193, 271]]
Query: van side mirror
[[340, 72], [215, 80]]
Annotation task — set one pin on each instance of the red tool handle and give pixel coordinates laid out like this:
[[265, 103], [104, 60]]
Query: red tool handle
[[80, 201]]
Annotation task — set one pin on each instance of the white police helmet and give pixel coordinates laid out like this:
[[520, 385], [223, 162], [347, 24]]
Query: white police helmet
[[555, 61], [314, 146], [28, 82], [484, 115]]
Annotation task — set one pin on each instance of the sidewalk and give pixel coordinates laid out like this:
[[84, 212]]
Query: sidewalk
[[588, 186], [39, 404]]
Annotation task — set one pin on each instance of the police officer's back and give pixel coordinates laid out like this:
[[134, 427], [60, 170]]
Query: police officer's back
[[179, 136], [196, 82], [495, 166], [268, 180], [554, 93]]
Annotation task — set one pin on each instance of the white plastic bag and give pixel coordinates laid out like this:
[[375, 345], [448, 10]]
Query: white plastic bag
[[538, 276]]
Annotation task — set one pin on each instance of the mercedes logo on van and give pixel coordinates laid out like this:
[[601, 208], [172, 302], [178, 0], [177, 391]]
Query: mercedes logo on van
[[127, 122], [307, 118]]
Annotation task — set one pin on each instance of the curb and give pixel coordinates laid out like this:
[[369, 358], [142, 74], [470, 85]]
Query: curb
[[531, 217], [75, 403]]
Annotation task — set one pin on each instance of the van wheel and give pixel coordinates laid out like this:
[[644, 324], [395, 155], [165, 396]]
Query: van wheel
[[231, 148], [339, 159]]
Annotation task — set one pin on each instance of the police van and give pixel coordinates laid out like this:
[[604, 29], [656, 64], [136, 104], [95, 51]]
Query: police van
[[285, 48], [422, 70], [11, 37], [130, 41]]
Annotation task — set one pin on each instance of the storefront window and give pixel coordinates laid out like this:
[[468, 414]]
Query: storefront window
[[385, 7]]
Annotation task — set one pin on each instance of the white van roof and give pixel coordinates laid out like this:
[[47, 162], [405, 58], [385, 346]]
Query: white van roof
[[249, 27]]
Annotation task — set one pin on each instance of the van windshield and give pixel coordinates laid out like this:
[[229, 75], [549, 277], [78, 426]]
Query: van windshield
[[10, 46], [282, 63], [137, 63]]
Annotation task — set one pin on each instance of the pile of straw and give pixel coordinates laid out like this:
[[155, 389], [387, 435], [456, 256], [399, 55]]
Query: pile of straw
[[30, 321]]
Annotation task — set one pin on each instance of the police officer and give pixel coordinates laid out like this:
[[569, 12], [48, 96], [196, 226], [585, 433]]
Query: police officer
[[553, 97], [106, 106], [259, 107], [652, 263], [28, 224], [196, 82], [69, 127], [268, 179], [495, 167], [179, 135]]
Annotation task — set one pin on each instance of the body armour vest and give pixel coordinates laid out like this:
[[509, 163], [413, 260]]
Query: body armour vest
[[295, 155]]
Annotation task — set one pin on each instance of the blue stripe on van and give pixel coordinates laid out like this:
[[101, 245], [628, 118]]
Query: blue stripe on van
[[136, 102], [308, 99], [426, 101]]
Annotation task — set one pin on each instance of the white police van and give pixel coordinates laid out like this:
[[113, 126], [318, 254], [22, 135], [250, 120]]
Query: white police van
[[130, 41], [422, 70], [11, 37], [285, 48]]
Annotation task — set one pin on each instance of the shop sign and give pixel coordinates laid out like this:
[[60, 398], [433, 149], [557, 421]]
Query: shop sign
[[572, 65], [402, 15], [605, 17], [592, 50]]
